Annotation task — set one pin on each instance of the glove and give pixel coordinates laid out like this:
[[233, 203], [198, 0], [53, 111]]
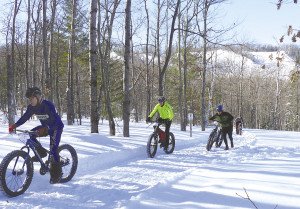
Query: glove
[[11, 128], [42, 132], [148, 119]]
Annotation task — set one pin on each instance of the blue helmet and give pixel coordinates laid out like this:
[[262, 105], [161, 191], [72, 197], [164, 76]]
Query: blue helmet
[[161, 99], [220, 108]]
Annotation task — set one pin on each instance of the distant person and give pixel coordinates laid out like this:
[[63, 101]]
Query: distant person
[[225, 120], [166, 115], [51, 124], [239, 125]]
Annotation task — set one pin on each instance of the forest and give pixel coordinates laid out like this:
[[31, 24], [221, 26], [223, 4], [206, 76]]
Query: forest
[[111, 59]]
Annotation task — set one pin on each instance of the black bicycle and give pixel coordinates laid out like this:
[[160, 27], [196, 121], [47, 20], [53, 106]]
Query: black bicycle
[[239, 128], [214, 137], [16, 168], [159, 137]]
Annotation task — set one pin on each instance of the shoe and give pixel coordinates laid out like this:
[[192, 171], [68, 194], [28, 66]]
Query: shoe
[[42, 152], [226, 148], [232, 145], [166, 148], [55, 180], [55, 172]]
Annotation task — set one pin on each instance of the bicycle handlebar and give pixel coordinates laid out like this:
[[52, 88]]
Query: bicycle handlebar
[[26, 131]]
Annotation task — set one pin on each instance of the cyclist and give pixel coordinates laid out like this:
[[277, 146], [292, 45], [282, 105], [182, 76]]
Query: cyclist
[[51, 125], [238, 125], [166, 115], [225, 119]]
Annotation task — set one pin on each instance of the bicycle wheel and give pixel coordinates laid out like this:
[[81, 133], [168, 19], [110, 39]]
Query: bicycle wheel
[[211, 140], [68, 161], [16, 173], [171, 146], [152, 145], [219, 139]]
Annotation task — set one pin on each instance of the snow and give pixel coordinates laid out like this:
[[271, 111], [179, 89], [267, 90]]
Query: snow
[[114, 172], [255, 60]]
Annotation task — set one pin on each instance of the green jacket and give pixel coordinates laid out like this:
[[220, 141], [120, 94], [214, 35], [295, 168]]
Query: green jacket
[[225, 119], [165, 111]]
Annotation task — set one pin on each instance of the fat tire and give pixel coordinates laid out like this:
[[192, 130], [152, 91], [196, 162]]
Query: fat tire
[[211, 140], [171, 146], [152, 145], [5, 179], [219, 141], [67, 176]]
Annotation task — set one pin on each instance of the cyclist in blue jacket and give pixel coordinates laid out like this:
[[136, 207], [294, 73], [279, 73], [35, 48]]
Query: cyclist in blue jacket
[[51, 125]]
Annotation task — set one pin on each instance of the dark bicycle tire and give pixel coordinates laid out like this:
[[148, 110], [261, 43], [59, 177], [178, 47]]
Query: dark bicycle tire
[[15, 180], [171, 146], [219, 141], [152, 145], [69, 162], [211, 140]]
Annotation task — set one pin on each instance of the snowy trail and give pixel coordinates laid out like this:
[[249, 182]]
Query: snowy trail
[[114, 172]]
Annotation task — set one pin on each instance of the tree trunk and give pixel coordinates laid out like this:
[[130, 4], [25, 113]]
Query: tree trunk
[[10, 91], [148, 89], [93, 67], [105, 61], [71, 111], [180, 93], [11, 69], [126, 83], [203, 102], [27, 45], [169, 50], [51, 54], [45, 52]]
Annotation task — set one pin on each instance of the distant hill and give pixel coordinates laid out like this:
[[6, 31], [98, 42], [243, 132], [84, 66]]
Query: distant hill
[[264, 63]]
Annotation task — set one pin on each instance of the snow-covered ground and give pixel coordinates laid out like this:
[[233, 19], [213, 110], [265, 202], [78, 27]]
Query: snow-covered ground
[[114, 172]]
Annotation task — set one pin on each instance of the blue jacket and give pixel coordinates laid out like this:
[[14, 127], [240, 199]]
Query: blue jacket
[[46, 113]]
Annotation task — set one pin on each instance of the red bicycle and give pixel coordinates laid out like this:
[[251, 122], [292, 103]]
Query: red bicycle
[[159, 137]]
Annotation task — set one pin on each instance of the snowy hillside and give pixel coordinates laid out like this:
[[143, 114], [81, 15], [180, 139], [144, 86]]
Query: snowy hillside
[[114, 172], [264, 63]]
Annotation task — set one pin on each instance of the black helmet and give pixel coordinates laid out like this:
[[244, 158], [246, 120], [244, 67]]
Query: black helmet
[[33, 91], [161, 99]]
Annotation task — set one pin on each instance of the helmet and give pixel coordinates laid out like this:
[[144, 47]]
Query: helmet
[[220, 108], [161, 99], [33, 91]]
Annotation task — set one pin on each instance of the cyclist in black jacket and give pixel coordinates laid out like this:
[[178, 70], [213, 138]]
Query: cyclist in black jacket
[[225, 119]]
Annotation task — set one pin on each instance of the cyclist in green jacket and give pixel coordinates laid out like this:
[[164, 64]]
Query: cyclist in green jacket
[[166, 115], [225, 119]]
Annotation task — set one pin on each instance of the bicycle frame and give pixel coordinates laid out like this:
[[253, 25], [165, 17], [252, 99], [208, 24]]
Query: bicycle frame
[[31, 145], [161, 134]]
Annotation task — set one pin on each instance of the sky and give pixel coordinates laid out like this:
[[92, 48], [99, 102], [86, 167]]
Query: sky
[[115, 173], [259, 20]]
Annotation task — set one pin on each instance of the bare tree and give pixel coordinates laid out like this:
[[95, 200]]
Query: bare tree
[[169, 50], [104, 37], [148, 89], [127, 59], [51, 46], [70, 95], [45, 51], [11, 68], [27, 44], [93, 67]]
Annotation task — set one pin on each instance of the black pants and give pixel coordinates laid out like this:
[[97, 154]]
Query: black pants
[[167, 131], [225, 131]]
